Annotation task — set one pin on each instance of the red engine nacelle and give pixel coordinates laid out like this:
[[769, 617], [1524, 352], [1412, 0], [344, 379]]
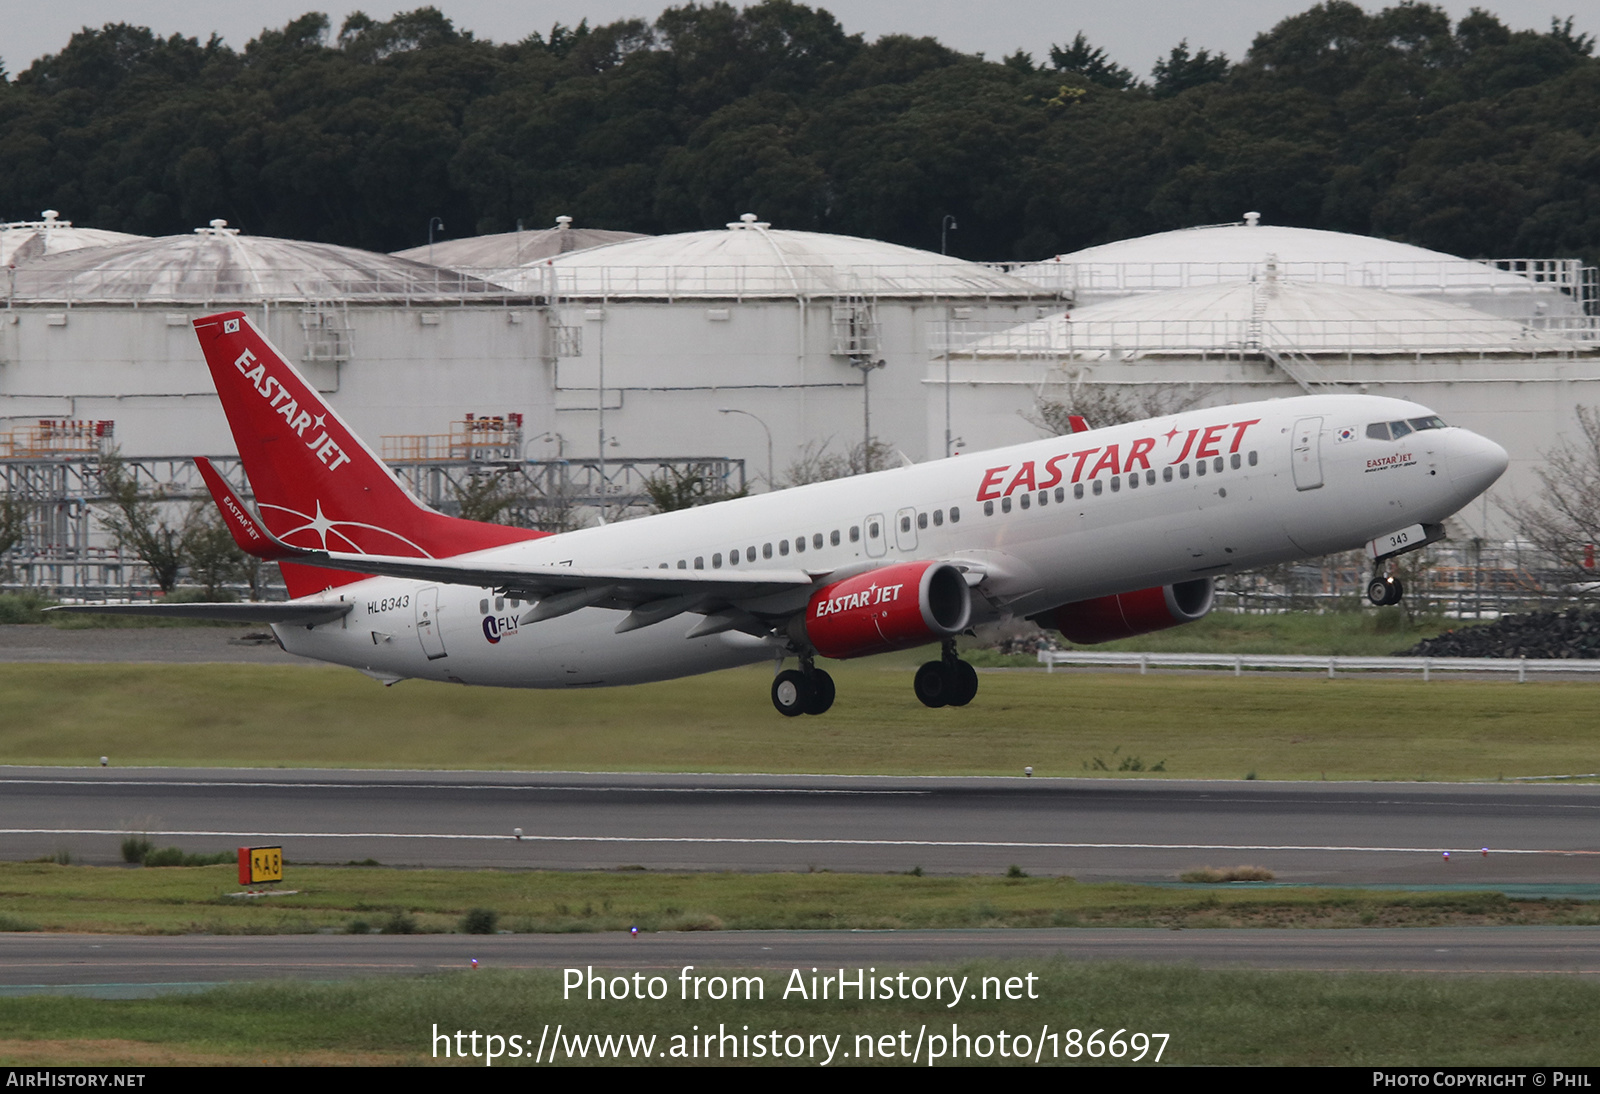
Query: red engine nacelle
[[893, 608], [1123, 615]]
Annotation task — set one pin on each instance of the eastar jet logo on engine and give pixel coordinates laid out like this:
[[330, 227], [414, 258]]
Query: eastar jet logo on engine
[[271, 389], [1199, 443], [866, 598]]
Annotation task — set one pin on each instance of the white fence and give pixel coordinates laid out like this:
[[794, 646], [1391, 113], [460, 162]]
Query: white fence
[[1522, 666]]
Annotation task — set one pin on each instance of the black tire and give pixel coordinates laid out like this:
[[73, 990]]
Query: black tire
[[965, 686], [821, 692], [791, 693], [1378, 591], [931, 684], [1398, 593]]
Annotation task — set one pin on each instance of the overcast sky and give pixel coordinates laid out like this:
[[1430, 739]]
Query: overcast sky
[[1133, 32]]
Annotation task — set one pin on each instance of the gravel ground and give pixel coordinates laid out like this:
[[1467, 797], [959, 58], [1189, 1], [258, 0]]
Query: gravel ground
[[174, 645]]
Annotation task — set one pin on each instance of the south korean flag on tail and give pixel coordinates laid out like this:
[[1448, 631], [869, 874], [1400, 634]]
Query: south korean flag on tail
[[1348, 433], [230, 326]]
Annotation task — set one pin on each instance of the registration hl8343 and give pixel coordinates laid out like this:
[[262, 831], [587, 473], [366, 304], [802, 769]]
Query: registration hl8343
[[388, 604]]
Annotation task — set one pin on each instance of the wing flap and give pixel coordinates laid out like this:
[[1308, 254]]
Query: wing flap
[[248, 612]]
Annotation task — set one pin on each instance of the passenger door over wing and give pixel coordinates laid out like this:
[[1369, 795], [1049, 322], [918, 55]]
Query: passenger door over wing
[[877, 536]]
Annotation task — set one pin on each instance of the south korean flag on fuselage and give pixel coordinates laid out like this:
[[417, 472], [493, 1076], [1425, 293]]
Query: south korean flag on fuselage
[[1346, 434]]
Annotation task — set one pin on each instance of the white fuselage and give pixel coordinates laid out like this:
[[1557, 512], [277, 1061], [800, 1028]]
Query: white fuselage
[[1283, 480]]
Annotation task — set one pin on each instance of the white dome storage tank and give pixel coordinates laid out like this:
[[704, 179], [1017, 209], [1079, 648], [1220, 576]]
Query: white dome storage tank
[[785, 326], [480, 255], [1230, 253], [1515, 382], [23, 241]]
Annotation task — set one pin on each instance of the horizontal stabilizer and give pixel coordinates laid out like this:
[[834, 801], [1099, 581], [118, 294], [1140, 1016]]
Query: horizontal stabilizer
[[247, 612]]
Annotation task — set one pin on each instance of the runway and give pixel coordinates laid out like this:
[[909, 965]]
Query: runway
[[111, 966], [1134, 830]]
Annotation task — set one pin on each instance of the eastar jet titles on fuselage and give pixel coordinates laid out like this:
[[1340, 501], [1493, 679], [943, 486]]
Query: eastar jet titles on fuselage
[[1102, 534]]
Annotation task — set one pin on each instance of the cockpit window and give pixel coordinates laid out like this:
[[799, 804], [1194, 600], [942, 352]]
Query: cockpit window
[[1393, 431]]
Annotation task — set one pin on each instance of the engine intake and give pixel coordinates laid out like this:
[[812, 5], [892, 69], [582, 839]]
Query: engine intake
[[1123, 615], [892, 608]]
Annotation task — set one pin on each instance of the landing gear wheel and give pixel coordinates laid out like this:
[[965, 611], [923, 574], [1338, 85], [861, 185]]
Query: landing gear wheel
[[821, 692], [1383, 591], [932, 685], [964, 686], [791, 693]]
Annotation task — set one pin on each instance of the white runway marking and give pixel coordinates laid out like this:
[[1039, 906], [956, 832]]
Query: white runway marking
[[467, 786], [791, 841]]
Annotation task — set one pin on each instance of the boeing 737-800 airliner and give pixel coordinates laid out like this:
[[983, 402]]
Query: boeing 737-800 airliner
[[1100, 534]]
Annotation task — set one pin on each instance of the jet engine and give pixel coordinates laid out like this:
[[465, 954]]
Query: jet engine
[[892, 608], [1123, 615]]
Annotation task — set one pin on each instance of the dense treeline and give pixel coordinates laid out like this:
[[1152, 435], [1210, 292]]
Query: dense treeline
[[1467, 136]]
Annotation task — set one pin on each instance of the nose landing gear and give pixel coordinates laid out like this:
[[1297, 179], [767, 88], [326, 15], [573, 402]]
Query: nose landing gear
[[1385, 589], [948, 681]]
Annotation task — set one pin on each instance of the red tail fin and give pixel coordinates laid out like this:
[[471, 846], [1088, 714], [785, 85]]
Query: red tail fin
[[316, 484]]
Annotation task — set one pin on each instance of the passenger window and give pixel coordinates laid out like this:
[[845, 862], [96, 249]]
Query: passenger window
[[988, 508], [1044, 497], [1200, 467], [1077, 490], [855, 533], [766, 550], [783, 547], [1116, 483], [716, 561], [1252, 457], [1235, 461], [905, 524], [922, 520], [1133, 481], [1061, 494], [483, 607], [800, 544], [872, 530], [1005, 505], [1183, 472], [1166, 474], [1378, 431], [733, 557], [938, 517], [816, 541], [699, 562], [955, 514], [1150, 477], [833, 538], [683, 564], [1026, 500], [1099, 487], [499, 603], [749, 554]]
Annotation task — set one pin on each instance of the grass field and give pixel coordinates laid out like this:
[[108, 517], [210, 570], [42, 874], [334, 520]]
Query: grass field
[[183, 900], [1189, 726], [1210, 1017]]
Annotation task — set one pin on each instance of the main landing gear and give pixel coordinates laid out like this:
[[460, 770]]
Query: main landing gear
[[806, 690], [948, 681], [1384, 590]]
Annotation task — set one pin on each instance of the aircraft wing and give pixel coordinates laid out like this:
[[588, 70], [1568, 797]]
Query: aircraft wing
[[650, 596], [247, 612]]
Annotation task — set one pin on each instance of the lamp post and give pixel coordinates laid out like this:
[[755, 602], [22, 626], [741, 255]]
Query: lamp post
[[734, 410], [945, 225], [431, 222]]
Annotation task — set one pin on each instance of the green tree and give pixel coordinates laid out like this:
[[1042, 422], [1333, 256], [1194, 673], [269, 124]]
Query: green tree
[[1179, 70], [1092, 63], [136, 519]]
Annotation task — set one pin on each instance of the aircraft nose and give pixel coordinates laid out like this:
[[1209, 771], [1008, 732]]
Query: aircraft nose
[[1476, 462]]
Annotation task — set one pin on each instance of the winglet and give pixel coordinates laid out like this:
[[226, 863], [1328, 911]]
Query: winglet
[[250, 534]]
